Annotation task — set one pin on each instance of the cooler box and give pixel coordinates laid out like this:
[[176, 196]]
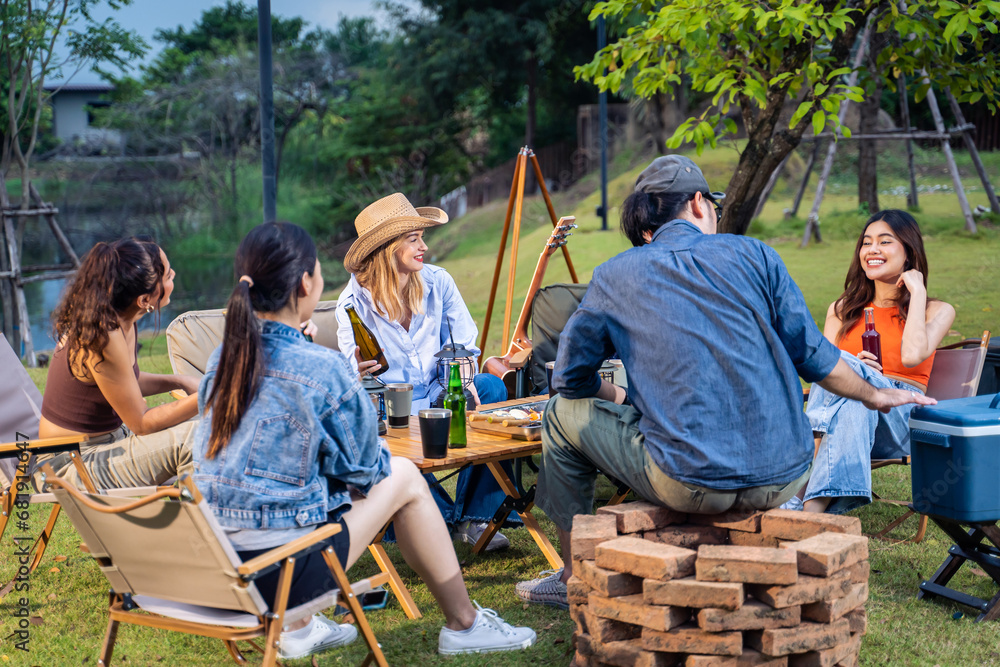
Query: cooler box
[[956, 458]]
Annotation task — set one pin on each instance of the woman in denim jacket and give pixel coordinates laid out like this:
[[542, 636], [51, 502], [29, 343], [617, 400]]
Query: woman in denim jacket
[[288, 442]]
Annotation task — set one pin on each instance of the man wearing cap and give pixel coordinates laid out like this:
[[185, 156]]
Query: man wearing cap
[[714, 335]]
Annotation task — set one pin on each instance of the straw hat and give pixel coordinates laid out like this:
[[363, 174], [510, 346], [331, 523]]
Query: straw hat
[[385, 220]]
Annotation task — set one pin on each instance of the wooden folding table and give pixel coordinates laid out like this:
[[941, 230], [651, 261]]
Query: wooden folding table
[[483, 448]]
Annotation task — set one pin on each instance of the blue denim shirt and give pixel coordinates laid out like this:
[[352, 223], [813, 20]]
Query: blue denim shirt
[[713, 333], [410, 353], [308, 433]]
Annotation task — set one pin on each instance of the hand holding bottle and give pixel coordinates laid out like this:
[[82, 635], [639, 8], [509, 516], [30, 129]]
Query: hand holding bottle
[[870, 359], [365, 367]]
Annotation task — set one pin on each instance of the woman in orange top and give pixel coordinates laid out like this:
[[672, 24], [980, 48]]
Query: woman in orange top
[[888, 273]]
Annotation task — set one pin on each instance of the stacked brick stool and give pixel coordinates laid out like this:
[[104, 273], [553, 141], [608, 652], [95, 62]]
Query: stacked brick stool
[[652, 587]]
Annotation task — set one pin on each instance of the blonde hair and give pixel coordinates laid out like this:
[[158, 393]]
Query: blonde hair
[[380, 275]]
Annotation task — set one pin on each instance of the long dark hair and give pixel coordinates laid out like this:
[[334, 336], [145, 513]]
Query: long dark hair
[[274, 256], [859, 291], [647, 211], [110, 279]]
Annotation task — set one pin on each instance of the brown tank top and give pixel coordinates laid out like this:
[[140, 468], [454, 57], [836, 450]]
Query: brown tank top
[[76, 405]]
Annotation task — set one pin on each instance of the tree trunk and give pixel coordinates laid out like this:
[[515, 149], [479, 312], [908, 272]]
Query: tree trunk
[[868, 148], [532, 78]]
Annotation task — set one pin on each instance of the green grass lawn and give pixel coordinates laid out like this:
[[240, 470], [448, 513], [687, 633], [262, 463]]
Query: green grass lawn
[[68, 596]]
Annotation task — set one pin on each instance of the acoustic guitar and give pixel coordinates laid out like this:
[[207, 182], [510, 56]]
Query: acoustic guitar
[[505, 367]]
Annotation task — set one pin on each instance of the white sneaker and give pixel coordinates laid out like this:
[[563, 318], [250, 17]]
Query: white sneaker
[[548, 589], [470, 532], [488, 634], [319, 635]]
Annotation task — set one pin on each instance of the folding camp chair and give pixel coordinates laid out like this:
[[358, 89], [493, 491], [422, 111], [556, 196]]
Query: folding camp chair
[[192, 337], [171, 566], [955, 374], [20, 410]]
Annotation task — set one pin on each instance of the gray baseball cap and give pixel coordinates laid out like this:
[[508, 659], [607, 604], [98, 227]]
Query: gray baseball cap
[[675, 173]]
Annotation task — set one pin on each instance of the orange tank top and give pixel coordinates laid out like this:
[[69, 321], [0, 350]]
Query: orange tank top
[[890, 329]]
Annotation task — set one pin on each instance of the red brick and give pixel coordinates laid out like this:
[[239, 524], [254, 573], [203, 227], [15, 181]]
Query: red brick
[[752, 565], [748, 522], [688, 536], [577, 590], [743, 539], [826, 553], [858, 620], [859, 572], [632, 609], [802, 638], [828, 657], [854, 655], [581, 660], [641, 515], [751, 616], [658, 659], [689, 592], [710, 661], [589, 530], [831, 610], [619, 654], [649, 560], [752, 658], [606, 630], [807, 589], [608, 583], [692, 639], [577, 612], [796, 525]]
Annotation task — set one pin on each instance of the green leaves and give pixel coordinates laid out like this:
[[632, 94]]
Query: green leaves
[[818, 121]]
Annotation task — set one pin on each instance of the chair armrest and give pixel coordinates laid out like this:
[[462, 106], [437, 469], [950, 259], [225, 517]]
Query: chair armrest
[[43, 445], [293, 548]]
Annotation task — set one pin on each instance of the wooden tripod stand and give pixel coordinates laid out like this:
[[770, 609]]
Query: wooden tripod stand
[[514, 205]]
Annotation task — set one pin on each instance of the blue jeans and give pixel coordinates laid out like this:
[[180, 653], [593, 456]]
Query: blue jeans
[[477, 495], [853, 436]]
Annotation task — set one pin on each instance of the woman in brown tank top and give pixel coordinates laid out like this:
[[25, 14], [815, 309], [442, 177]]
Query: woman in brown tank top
[[94, 384]]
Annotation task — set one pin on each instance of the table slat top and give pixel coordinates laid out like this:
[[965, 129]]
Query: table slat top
[[482, 447]]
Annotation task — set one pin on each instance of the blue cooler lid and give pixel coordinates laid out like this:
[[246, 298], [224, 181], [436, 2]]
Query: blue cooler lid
[[981, 413]]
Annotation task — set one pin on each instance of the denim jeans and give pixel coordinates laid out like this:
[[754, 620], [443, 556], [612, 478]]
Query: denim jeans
[[122, 459], [853, 436], [477, 494], [582, 436]]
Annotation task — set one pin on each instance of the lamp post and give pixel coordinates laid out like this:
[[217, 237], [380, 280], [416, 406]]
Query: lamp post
[[268, 163]]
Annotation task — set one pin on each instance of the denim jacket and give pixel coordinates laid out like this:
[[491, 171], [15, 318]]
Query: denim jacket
[[307, 434]]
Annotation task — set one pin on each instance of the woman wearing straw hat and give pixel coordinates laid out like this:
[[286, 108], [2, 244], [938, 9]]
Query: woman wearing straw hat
[[410, 305]]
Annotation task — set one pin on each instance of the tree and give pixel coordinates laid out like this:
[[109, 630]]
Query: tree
[[31, 53], [758, 56], [502, 57]]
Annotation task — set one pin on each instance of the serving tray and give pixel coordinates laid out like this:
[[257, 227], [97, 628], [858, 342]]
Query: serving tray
[[530, 431]]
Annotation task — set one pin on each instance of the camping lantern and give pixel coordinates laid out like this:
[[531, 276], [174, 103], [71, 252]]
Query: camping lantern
[[376, 390], [451, 355]]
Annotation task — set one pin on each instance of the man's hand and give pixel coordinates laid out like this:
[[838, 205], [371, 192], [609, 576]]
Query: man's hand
[[884, 400]]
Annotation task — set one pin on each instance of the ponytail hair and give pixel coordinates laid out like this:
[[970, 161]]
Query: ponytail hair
[[110, 279], [643, 212], [273, 256]]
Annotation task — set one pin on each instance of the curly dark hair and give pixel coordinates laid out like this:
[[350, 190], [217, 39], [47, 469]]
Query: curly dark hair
[[110, 278]]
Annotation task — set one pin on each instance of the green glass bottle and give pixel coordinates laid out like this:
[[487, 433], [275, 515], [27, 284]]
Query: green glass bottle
[[454, 400]]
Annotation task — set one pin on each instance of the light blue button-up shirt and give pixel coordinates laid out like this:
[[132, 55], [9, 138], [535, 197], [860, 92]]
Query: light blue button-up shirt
[[411, 353]]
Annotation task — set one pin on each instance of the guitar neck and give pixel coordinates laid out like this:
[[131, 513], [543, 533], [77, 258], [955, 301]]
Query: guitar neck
[[520, 339]]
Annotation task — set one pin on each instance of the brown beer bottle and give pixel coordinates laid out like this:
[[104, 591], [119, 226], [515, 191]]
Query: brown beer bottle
[[871, 341], [366, 341]]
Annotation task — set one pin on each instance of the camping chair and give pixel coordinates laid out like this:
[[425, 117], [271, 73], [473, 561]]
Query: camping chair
[[955, 374], [171, 566], [192, 337], [20, 410]]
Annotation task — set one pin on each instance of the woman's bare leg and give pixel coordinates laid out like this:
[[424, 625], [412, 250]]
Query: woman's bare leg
[[421, 534]]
